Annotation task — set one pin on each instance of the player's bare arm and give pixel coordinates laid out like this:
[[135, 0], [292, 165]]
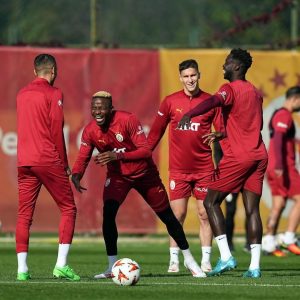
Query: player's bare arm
[[105, 157]]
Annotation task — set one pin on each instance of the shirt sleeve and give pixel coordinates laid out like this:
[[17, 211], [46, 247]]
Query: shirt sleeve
[[160, 124], [225, 94], [84, 155], [56, 117], [138, 138], [281, 122]]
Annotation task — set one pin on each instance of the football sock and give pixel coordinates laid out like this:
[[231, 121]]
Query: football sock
[[111, 260], [22, 262], [63, 250], [289, 237], [187, 255], [174, 254], [223, 247], [270, 240], [255, 256], [206, 252]]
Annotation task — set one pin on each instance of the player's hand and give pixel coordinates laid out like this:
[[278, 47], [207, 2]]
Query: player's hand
[[68, 171], [278, 172], [105, 157], [76, 181], [212, 137], [184, 123]]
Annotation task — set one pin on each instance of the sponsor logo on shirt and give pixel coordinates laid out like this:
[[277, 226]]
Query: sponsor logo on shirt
[[140, 130], [83, 143], [59, 102], [223, 94], [160, 113], [193, 127], [119, 150], [201, 189], [172, 185], [282, 125], [102, 141], [179, 110], [119, 137], [107, 182]]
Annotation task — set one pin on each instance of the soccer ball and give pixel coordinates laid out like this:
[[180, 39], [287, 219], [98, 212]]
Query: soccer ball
[[125, 271]]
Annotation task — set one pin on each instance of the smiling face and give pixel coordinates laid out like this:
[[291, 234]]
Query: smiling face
[[101, 110], [190, 80]]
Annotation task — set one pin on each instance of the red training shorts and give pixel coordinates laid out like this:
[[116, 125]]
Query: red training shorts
[[235, 175], [149, 186], [184, 185], [287, 185]]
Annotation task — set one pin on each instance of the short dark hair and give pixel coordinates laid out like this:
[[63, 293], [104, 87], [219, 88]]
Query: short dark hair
[[243, 56], [189, 63], [292, 91], [44, 61]]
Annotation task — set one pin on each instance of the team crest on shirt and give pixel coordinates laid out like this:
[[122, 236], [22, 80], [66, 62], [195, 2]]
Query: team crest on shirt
[[119, 137], [140, 130], [172, 185], [223, 94], [107, 182], [59, 102]]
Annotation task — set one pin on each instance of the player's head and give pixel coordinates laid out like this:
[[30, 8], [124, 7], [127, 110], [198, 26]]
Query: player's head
[[237, 64], [101, 107], [45, 67], [293, 98], [189, 76]]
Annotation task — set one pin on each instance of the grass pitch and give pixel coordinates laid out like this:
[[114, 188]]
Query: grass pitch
[[280, 276]]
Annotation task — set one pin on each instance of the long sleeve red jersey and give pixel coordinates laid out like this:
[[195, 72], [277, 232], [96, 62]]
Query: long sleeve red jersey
[[40, 125], [170, 112], [126, 137]]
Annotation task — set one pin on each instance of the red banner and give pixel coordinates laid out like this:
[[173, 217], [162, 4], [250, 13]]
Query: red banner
[[131, 76]]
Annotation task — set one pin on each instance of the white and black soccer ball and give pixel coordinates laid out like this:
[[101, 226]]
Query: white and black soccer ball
[[125, 271]]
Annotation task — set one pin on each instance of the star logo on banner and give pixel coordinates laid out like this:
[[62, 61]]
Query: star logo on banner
[[278, 79]]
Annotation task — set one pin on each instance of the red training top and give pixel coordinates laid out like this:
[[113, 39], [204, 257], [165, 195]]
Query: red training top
[[126, 137], [243, 119], [40, 125], [282, 142], [170, 112]]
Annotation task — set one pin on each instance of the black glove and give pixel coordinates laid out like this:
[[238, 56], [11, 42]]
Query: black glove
[[76, 181]]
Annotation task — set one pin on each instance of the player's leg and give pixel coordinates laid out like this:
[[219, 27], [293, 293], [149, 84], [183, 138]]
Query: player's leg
[[179, 207], [269, 240], [251, 202], [114, 194], [293, 222], [230, 209], [212, 204], [28, 187], [154, 193], [205, 236], [56, 181], [252, 191]]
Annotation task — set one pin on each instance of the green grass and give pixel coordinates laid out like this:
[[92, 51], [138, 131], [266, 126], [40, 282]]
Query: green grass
[[280, 275]]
